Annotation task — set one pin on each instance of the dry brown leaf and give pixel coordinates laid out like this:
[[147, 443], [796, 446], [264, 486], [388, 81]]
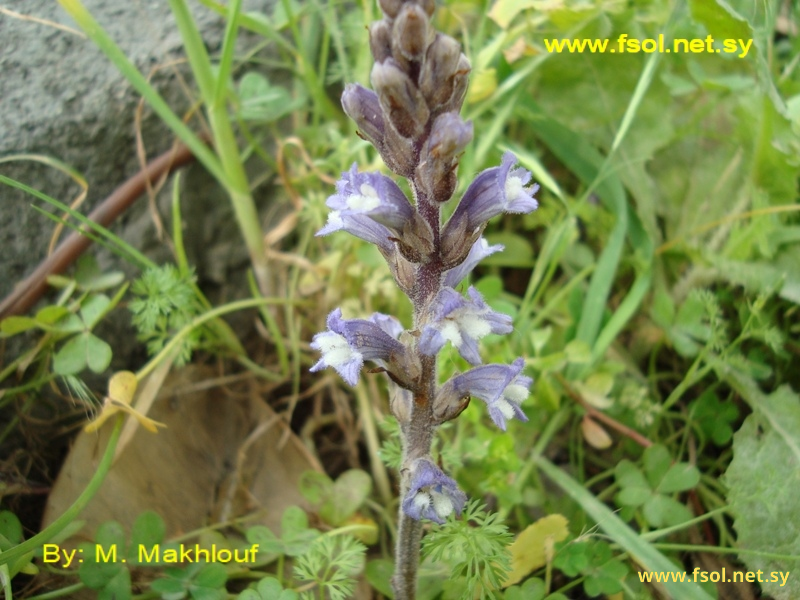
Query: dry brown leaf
[[180, 473]]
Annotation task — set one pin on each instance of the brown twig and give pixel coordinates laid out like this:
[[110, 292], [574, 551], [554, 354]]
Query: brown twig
[[26, 293], [601, 416]]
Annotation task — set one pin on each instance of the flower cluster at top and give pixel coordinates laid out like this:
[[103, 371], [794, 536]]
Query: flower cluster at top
[[412, 118]]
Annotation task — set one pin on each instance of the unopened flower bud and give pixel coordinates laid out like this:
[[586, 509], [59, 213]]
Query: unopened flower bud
[[410, 33], [449, 136], [428, 6], [398, 153], [457, 241], [460, 84], [416, 245], [441, 62], [402, 270], [380, 40], [391, 7], [362, 105], [401, 403], [439, 160], [400, 99]]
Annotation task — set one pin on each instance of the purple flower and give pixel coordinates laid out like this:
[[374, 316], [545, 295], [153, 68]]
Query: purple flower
[[347, 343], [432, 494], [462, 322], [390, 325], [495, 191], [480, 250], [361, 226], [501, 387], [374, 195]]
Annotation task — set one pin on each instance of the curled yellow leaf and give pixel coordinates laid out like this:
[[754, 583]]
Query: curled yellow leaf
[[121, 390]]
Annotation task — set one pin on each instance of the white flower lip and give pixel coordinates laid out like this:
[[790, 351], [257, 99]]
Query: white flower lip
[[335, 349]]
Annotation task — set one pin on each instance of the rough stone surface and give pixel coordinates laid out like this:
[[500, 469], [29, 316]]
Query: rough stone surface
[[61, 97]]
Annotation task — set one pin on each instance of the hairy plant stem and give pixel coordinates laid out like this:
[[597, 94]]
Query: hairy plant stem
[[418, 433], [417, 441]]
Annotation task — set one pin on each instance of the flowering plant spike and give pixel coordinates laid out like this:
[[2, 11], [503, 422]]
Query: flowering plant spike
[[412, 118]]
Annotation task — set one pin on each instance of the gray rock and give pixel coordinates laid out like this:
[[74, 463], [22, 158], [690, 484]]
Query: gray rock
[[61, 97]]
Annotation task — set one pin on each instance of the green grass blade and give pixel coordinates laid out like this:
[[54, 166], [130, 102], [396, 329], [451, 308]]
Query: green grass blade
[[228, 47], [644, 252], [195, 49], [125, 249]]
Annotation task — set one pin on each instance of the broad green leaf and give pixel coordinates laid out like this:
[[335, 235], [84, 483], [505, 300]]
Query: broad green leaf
[[148, 530], [14, 325], [269, 588], [118, 587], [212, 575], [295, 533], [109, 577], [268, 542], [70, 324], [662, 511], [657, 462], [628, 475], [349, 492], [720, 19], [379, 575], [98, 353], [315, 486], [633, 496], [90, 278], [679, 478], [71, 357], [10, 528], [763, 479], [93, 307], [596, 388], [490, 287], [714, 417], [51, 314], [533, 589]]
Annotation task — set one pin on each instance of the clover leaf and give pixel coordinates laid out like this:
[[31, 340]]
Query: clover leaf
[[652, 490], [594, 560], [715, 418]]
